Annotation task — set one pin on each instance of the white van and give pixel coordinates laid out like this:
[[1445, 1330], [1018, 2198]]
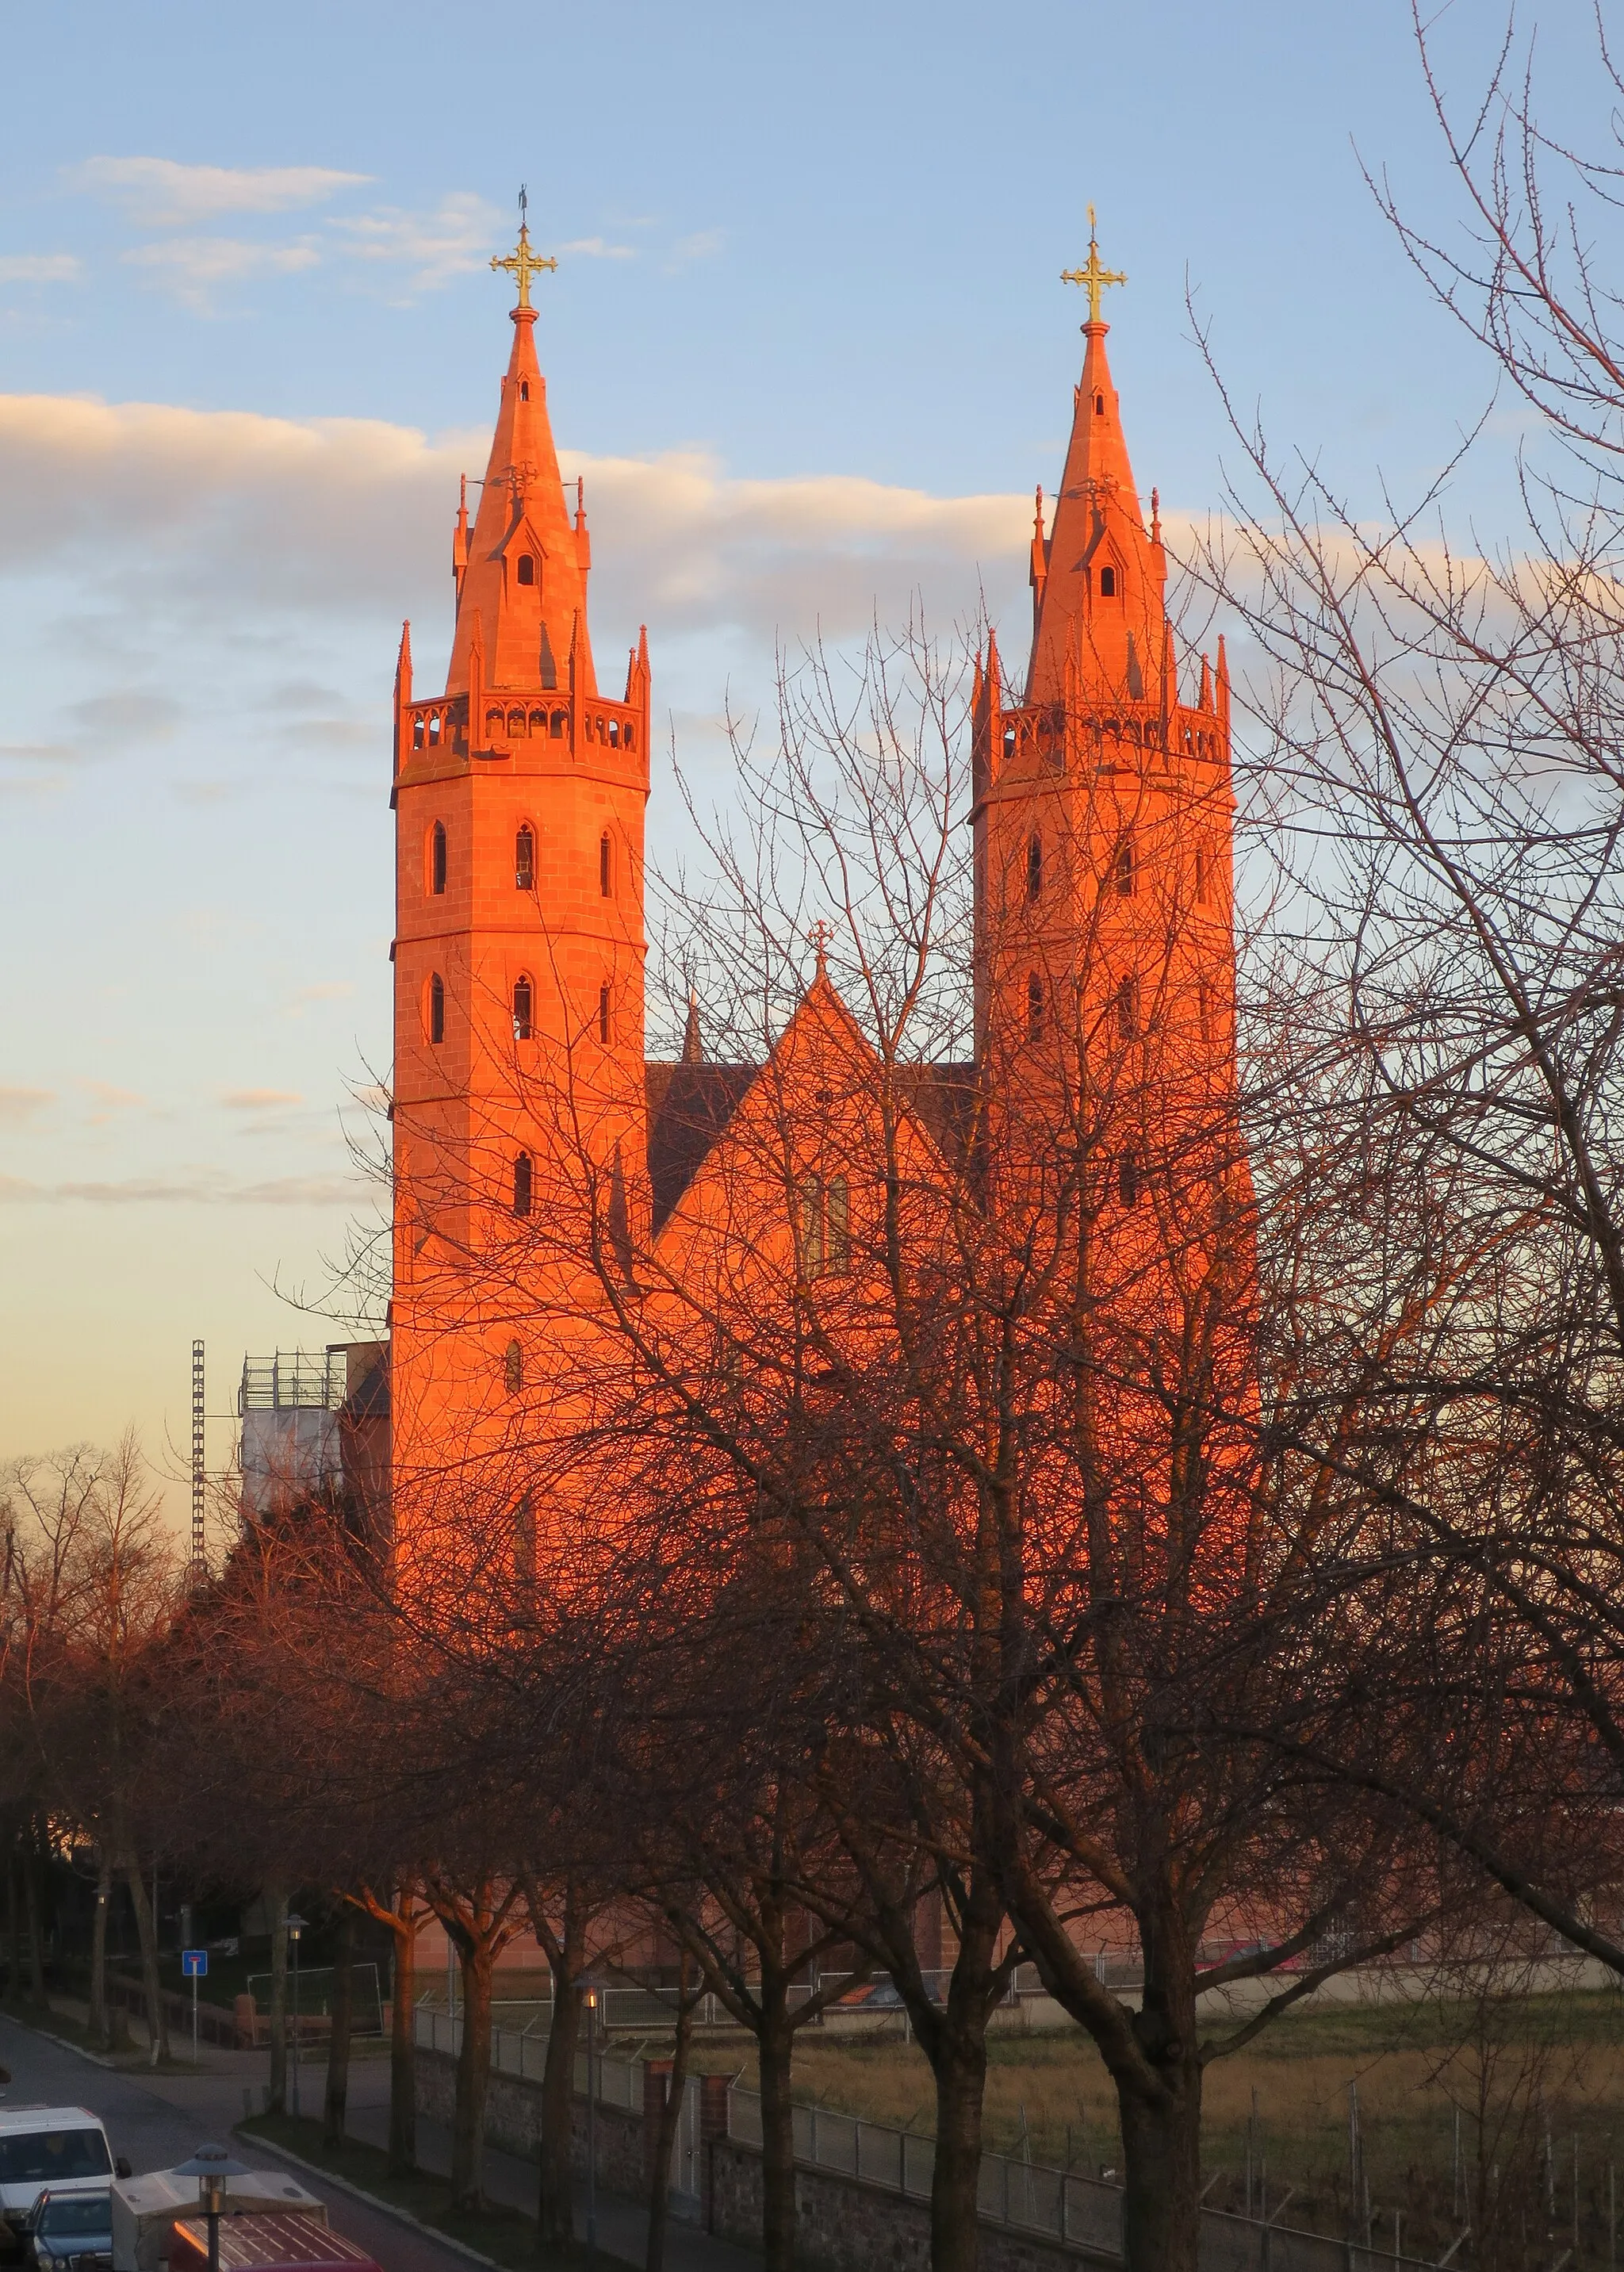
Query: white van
[[63, 2148]]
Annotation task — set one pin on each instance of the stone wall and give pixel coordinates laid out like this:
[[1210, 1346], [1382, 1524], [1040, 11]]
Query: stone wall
[[842, 2224]]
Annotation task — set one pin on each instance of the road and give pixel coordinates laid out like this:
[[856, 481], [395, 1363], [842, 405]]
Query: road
[[156, 2133]]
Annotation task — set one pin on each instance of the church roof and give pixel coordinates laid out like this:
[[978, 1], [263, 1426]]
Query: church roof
[[689, 1107]]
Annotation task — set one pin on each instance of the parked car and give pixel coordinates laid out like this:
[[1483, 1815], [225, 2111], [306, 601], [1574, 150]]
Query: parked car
[[59, 2149], [67, 2229]]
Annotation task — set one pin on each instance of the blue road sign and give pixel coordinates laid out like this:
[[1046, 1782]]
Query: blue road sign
[[194, 1963]]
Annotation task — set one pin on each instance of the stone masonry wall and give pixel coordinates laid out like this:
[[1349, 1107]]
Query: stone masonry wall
[[842, 2224]]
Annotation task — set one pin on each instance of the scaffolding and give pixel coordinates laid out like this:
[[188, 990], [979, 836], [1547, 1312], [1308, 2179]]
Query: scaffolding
[[199, 1558], [292, 1443]]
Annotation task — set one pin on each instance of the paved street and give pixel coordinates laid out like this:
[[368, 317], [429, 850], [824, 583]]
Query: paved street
[[158, 2119]]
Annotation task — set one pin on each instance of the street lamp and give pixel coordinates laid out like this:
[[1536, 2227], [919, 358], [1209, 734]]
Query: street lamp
[[592, 2130], [211, 2165], [295, 1926]]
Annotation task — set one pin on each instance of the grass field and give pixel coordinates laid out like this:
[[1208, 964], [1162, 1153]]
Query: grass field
[[1531, 2081]]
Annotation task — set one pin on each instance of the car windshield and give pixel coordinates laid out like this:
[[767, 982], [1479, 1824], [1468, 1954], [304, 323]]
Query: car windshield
[[78, 2213], [46, 2158]]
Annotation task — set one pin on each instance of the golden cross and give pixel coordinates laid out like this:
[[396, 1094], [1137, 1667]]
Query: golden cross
[[522, 262], [1094, 276]]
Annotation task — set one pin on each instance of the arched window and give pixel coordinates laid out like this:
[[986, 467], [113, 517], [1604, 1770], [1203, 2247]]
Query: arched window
[[522, 1000], [1099, 405], [606, 865], [522, 1178], [524, 389], [561, 720], [1127, 1008], [524, 860], [603, 1012], [1034, 867], [524, 1538], [1122, 867], [527, 567], [512, 1368], [1034, 1005], [1127, 1180], [837, 1226], [515, 722], [1203, 875], [1108, 583], [436, 859], [437, 1009]]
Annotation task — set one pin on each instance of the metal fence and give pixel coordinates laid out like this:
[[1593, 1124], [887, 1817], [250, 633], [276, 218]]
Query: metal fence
[[1079, 2212], [1020, 2195]]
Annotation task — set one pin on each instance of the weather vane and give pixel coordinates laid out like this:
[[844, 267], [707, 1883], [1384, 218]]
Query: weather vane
[[521, 263], [1093, 276]]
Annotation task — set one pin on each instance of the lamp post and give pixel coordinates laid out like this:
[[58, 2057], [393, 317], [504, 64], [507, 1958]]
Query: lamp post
[[212, 2166], [592, 2129], [295, 1926]]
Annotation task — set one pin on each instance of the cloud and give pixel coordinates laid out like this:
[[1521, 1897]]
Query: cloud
[[18, 1105], [234, 517], [454, 240], [205, 1186], [701, 245], [326, 989], [127, 714], [110, 1098], [193, 267], [259, 1100], [598, 248], [40, 268], [162, 193]]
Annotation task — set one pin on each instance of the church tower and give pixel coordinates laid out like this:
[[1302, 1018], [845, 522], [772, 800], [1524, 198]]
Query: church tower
[[519, 1087], [1103, 818]]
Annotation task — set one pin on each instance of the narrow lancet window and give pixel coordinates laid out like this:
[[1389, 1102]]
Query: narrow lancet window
[[1035, 868], [603, 1012], [437, 1010], [523, 1176], [524, 861], [436, 859], [1034, 1005], [606, 866], [522, 1009]]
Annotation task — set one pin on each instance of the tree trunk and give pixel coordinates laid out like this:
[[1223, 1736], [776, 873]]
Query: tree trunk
[[36, 1933], [670, 2115], [337, 2040], [476, 1963], [14, 1930], [961, 2076], [146, 1933], [1161, 2149], [775, 2047], [1162, 2136], [554, 2226], [276, 2095], [403, 2045], [101, 2032]]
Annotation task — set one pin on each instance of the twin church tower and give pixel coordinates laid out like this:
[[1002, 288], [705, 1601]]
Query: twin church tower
[[1102, 838]]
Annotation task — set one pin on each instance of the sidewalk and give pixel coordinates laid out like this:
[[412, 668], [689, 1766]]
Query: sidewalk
[[214, 2098]]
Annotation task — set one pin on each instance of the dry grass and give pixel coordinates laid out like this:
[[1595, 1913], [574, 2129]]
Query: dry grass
[[1528, 2076]]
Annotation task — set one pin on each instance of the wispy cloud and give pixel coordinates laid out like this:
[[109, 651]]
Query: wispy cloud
[[40, 268], [454, 240], [206, 1187], [598, 248], [163, 193], [703, 245], [18, 1105], [259, 1100], [194, 267], [326, 989]]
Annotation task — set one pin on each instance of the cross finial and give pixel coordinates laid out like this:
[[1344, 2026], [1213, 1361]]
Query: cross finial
[[821, 934], [521, 263], [1093, 276]]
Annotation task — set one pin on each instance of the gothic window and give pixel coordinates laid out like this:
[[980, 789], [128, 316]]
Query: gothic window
[[524, 1537], [1034, 1005], [1099, 405], [418, 733], [1203, 875], [603, 1012], [606, 866], [434, 731], [436, 859], [522, 1003], [512, 1368], [1035, 868], [524, 860], [1127, 1180], [538, 721], [823, 1226], [527, 568], [523, 1175], [626, 735], [1127, 1008], [524, 389], [516, 721], [437, 1010], [561, 720], [1122, 867], [1108, 583]]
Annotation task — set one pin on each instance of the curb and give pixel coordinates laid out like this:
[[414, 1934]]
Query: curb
[[96, 2059], [372, 2200]]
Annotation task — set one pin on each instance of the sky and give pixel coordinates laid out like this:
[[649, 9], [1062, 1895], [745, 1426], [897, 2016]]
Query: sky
[[808, 347]]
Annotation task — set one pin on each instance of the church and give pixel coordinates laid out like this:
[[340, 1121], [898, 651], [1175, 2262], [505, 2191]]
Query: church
[[547, 1172]]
